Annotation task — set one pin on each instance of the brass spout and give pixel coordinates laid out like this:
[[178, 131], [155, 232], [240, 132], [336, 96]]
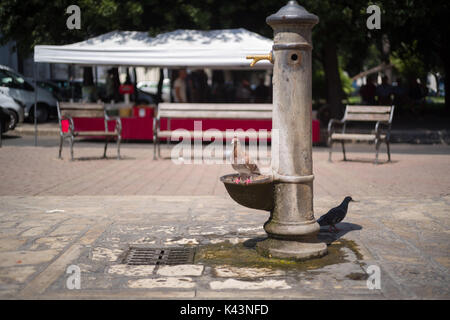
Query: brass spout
[[259, 57]]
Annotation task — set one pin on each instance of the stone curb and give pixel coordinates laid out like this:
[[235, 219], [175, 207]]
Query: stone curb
[[397, 136]]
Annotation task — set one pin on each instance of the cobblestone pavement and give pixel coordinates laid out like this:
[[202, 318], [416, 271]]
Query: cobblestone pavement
[[58, 213], [38, 172]]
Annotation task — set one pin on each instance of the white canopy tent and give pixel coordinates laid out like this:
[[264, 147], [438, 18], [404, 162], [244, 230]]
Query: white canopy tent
[[222, 49]]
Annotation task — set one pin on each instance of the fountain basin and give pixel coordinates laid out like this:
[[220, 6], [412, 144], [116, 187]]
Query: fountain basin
[[258, 194]]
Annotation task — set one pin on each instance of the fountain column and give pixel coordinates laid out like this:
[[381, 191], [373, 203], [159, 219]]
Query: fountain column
[[292, 230]]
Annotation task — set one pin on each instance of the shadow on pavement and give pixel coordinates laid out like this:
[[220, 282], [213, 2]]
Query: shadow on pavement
[[324, 234], [8, 137], [327, 236], [102, 158], [363, 160]]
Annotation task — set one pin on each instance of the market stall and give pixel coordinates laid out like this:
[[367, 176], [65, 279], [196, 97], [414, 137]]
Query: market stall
[[215, 49]]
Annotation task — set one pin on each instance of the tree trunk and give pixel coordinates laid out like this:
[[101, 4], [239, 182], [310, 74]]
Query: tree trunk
[[332, 78], [446, 63], [385, 53], [447, 85]]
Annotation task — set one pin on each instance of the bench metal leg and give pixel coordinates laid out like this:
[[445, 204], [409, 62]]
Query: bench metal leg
[[159, 149], [343, 150], [330, 144], [119, 138], [61, 141], [71, 147], [388, 151], [106, 146], [377, 148], [155, 141]]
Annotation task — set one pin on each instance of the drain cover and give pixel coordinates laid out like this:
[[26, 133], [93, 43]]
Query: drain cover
[[170, 256]]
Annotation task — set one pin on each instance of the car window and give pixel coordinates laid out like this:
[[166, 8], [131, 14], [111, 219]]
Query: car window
[[13, 80], [6, 80]]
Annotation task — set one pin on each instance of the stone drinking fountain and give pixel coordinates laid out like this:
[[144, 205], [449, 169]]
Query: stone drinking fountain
[[288, 192]]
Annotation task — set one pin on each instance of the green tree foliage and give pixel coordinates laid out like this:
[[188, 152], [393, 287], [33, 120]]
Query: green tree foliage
[[419, 31], [341, 39], [409, 62], [33, 22]]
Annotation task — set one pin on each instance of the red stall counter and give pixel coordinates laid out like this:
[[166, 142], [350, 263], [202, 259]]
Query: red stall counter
[[140, 125]]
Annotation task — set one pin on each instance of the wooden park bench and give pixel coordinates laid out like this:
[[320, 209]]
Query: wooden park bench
[[68, 110], [206, 111], [381, 115]]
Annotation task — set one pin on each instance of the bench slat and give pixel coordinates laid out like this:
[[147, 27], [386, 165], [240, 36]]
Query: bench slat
[[216, 106], [213, 114], [80, 113], [81, 106], [95, 133], [212, 133], [368, 116], [355, 136], [369, 109], [82, 110]]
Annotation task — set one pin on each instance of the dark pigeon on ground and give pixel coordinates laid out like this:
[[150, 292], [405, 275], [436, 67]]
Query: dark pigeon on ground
[[335, 215]]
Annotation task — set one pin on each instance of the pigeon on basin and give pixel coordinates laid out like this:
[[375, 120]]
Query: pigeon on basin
[[335, 215], [241, 162]]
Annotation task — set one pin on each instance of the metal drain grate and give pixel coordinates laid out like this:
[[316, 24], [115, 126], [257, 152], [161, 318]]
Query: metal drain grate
[[155, 256]]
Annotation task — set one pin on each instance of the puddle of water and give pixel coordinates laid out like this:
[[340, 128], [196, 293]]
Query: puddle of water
[[244, 255]]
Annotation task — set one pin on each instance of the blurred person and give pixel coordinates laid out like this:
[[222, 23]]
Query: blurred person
[[197, 86], [110, 85], [179, 87], [414, 90], [191, 91], [230, 92], [219, 93], [244, 93], [400, 93], [423, 90], [367, 91], [261, 92], [88, 90], [202, 85], [384, 92]]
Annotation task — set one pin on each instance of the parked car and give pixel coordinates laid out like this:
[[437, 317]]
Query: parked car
[[14, 108], [17, 87], [5, 118]]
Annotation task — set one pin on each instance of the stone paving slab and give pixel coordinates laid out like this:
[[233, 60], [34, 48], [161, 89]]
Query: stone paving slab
[[407, 239], [86, 213]]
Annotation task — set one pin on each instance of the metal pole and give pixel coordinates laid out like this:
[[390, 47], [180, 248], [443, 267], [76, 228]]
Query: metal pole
[[71, 82], [292, 230], [35, 102]]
